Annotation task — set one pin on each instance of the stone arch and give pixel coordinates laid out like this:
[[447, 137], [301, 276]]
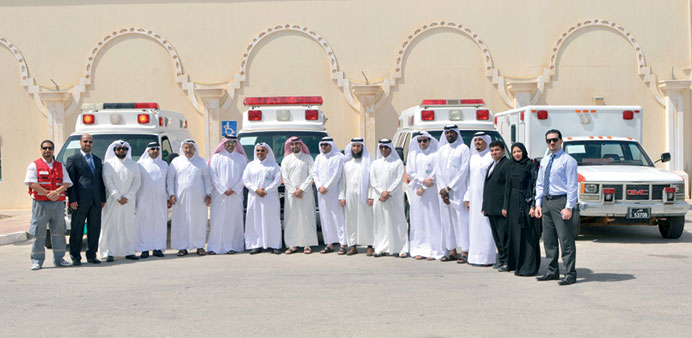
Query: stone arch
[[28, 82], [643, 70], [181, 77], [336, 74], [491, 72]]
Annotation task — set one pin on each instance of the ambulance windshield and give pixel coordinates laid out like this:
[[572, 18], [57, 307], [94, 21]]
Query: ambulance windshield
[[137, 143], [595, 152], [276, 140]]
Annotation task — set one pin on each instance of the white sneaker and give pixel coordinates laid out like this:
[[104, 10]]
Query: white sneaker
[[63, 263], [35, 267]]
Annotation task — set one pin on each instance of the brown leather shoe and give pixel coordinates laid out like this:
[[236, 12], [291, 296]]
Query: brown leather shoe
[[352, 251], [370, 252]]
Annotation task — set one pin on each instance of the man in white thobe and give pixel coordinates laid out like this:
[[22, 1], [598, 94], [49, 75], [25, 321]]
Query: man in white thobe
[[226, 168], [189, 190], [386, 183], [121, 178], [327, 173], [151, 218], [426, 231], [262, 178], [353, 197], [451, 176], [300, 226], [481, 243]]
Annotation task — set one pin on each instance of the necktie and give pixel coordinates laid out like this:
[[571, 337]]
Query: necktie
[[90, 162], [546, 178]]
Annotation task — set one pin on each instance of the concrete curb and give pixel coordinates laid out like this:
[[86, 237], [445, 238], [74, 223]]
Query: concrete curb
[[14, 237]]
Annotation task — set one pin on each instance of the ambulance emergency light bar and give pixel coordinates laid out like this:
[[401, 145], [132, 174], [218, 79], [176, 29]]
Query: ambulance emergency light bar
[[120, 105], [283, 100], [460, 102]]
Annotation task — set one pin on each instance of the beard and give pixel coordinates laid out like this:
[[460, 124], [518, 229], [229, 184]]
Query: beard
[[357, 155], [121, 156]]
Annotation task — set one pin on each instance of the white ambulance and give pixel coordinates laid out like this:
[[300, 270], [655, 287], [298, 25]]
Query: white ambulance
[[137, 123], [273, 120], [432, 115], [618, 183]]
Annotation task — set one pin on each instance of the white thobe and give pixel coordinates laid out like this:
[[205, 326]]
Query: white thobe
[[151, 218], [390, 228], [358, 217], [226, 221], [300, 227], [262, 222], [481, 244], [118, 233], [426, 231], [452, 170], [326, 173], [190, 182]]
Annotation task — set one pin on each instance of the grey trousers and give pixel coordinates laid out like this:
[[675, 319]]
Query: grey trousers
[[52, 214], [556, 229]]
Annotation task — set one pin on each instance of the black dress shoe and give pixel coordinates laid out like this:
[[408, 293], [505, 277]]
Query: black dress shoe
[[497, 265], [569, 279], [276, 251], [158, 253], [132, 257], [380, 254], [255, 251], [76, 263], [110, 259], [548, 276], [503, 268], [144, 254], [93, 260]]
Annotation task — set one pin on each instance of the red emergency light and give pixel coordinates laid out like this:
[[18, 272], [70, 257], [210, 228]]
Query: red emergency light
[[627, 115], [88, 119], [427, 115], [254, 115], [143, 118], [311, 114], [430, 102], [495, 120], [160, 121], [522, 115], [482, 114], [147, 105], [185, 125], [283, 100], [542, 114]]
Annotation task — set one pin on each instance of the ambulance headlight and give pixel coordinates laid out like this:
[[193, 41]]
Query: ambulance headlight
[[283, 115], [455, 115], [590, 188]]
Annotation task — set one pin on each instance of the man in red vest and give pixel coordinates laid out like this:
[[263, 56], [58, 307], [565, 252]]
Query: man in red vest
[[47, 180]]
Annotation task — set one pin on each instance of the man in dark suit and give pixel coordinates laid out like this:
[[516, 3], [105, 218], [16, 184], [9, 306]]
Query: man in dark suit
[[493, 198], [87, 197]]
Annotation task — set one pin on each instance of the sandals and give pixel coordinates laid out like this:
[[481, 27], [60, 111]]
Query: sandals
[[327, 250], [181, 253], [449, 258], [403, 255], [212, 253], [419, 257], [230, 252], [201, 252], [307, 250], [370, 251], [342, 251], [430, 259], [291, 250], [463, 259]]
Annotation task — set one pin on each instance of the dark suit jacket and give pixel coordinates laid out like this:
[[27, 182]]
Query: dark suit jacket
[[494, 188], [87, 188]]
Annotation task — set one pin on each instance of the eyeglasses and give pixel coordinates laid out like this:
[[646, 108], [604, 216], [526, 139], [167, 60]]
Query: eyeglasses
[[552, 140], [47, 148], [154, 149], [383, 147], [122, 149], [423, 140]]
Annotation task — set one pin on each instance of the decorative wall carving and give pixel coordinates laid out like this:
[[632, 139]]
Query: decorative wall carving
[[27, 81]]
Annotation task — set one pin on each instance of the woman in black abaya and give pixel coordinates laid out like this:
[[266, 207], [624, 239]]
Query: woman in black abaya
[[524, 252]]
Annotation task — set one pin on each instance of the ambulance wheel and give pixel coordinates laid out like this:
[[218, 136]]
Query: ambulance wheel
[[672, 227], [49, 245]]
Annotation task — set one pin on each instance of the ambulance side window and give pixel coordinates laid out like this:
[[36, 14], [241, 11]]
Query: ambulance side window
[[166, 149], [514, 133]]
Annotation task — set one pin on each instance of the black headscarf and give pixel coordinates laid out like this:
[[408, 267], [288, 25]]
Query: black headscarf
[[525, 154]]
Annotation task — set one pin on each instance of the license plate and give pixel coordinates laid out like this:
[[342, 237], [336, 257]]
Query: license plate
[[639, 213]]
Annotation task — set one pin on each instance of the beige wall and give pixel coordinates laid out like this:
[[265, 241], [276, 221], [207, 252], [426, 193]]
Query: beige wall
[[57, 37]]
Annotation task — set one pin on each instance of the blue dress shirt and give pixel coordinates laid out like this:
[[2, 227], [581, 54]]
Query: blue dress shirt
[[563, 178]]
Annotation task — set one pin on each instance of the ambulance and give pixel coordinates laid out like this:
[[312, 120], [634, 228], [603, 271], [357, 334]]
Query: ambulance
[[618, 182], [432, 115], [137, 123], [273, 120]]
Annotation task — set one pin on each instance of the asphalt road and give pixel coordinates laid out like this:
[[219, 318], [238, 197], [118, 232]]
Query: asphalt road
[[631, 282]]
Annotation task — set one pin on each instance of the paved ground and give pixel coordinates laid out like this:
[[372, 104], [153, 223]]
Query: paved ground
[[631, 283]]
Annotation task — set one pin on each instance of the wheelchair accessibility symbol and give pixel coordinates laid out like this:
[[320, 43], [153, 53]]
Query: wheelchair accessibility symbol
[[229, 128]]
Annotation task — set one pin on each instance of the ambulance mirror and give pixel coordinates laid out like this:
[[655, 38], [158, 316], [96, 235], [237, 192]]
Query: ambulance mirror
[[400, 151], [665, 157]]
